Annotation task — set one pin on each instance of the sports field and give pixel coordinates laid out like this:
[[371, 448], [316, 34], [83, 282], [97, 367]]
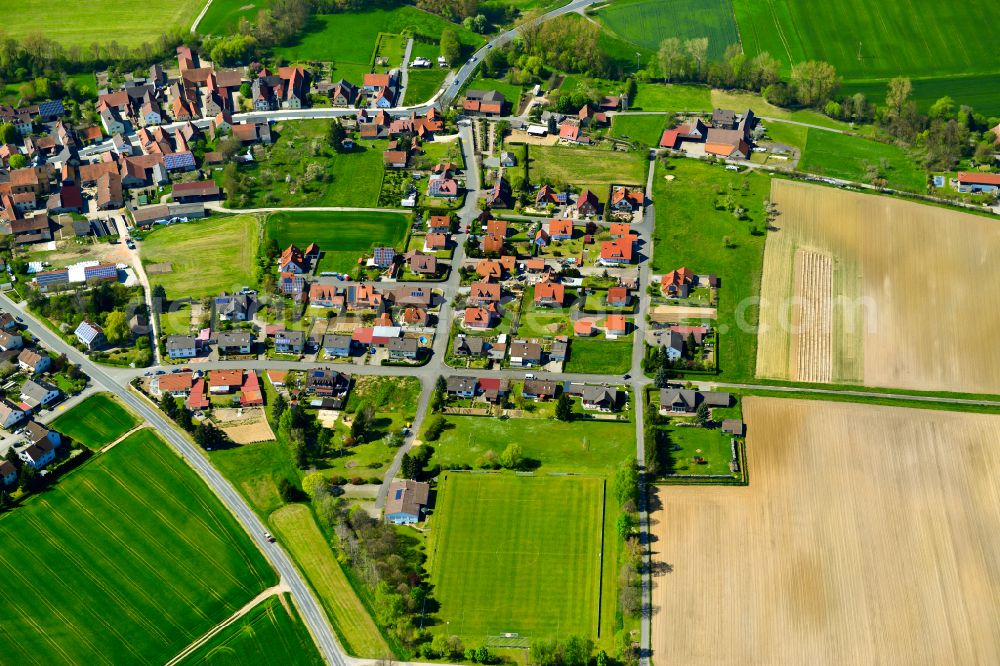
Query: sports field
[[649, 22], [887, 293], [867, 535], [342, 237], [587, 168], [76, 23], [128, 559], [204, 257], [295, 526], [869, 41], [96, 422], [517, 555], [270, 633]]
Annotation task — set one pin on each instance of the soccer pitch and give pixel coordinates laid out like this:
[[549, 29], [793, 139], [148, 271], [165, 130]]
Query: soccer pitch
[[518, 555]]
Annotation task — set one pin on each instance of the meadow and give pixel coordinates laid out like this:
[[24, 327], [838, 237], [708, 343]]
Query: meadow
[[342, 237], [256, 470], [518, 554], [684, 444], [648, 22], [281, 179], [270, 633], [206, 257], [96, 422], [866, 42], [597, 356], [128, 559], [671, 97], [74, 23], [839, 523], [862, 319], [350, 37], [556, 446], [843, 156], [423, 83], [690, 230], [586, 168], [295, 526], [223, 16], [646, 130]]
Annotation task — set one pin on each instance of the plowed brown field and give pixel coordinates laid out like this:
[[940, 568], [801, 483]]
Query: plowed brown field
[[914, 298], [867, 535]]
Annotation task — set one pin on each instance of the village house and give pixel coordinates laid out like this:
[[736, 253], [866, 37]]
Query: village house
[[224, 381], [494, 389], [325, 296], [9, 414], [525, 354], [8, 473], [498, 195], [678, 282], [290, 342], [36, 393], [181, 346], [560, 229], [485, 102], [976, 183], [337, 345], [538, 389], [33, 362], [626, 199], [327, 383], [484, 293], [9, 341], [435, 242], [550, 294], [587, 204], [618, 297], [234, 343], [235, 307], [480, 318], [599, 398], [462, 387], [403, 348], [687, 401], [177, 384], [617, 252], [470, 345], [406, 502], [90, 335], [293, 285]]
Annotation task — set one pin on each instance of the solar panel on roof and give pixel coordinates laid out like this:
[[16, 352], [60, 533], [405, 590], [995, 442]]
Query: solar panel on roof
[[399, 493]]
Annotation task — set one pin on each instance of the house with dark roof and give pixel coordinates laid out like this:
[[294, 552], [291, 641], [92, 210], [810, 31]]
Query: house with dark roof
[[335, 344], [181, 346], [462, 386], [36, 394], [525, 354], [90, 335], [538, 389], [327, 383], [33, 362], [290, 342], [234, 343], [485, 103], [406, 502], [687, 401]]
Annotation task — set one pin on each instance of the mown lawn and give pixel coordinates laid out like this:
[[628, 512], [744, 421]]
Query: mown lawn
[[597, 356], [520, 555], [296, 529], [557, 446], [127, 560], [691, 225], [205, 257], [96, 422], [256, 470], [671, 97], [423, 83], [342, 237], [223, 16], [844, 156], [685, 445], [74, 23], [589, 168], [270, 633], [642, 129]]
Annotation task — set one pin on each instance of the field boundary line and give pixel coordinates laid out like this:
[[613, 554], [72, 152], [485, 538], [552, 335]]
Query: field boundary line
[[110, 446], [280, 588], [201, 15]]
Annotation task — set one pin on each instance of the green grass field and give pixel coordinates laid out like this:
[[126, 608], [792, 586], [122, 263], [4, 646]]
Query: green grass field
[[671, 97], [643, 129], [127, 560], [509, 90], [350, 37], [296, 528], [588, 168], [343, 237], [74, 23], [280, 179], [976, 90], [843, 156], [599, 357], [206, 257], [96, 422], [223, 16], [256, 470], [689, 232], [687, 444], [516, 554], [423, 83], [648, 22], [270, 633], [559, 446], [920, 39]]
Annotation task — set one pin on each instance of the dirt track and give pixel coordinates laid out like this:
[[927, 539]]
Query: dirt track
[[867, 535]]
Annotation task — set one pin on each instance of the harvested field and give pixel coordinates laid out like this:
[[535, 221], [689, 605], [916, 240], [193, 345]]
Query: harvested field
[[812, 332], [248, 433], [867, 535], [913, 300], [675, 313]]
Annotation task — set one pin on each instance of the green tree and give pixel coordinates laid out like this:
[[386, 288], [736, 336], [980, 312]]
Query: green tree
[[451, 49], [184, 419], [702, 414], [279, 406], [435, 428], [17, 161], [362, 422], [168, 405], [564, 408], [576, 651], [512, 456], [29, 480], [815, 82], [626, 483], [8, 133], [662, 378], [116, 328], [337, 136], [286, 491], [315, 483], [602, 658]]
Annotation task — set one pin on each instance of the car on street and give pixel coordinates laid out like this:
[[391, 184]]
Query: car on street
[[269, 537]]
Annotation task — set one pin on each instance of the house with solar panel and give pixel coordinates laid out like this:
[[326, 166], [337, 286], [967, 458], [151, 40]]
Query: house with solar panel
[[91, 335], [384, 256], [406, 502]]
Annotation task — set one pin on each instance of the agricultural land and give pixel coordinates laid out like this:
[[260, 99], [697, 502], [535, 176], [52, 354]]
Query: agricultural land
[[851, 509], [853, 262], [96, 422], [72, 23]]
